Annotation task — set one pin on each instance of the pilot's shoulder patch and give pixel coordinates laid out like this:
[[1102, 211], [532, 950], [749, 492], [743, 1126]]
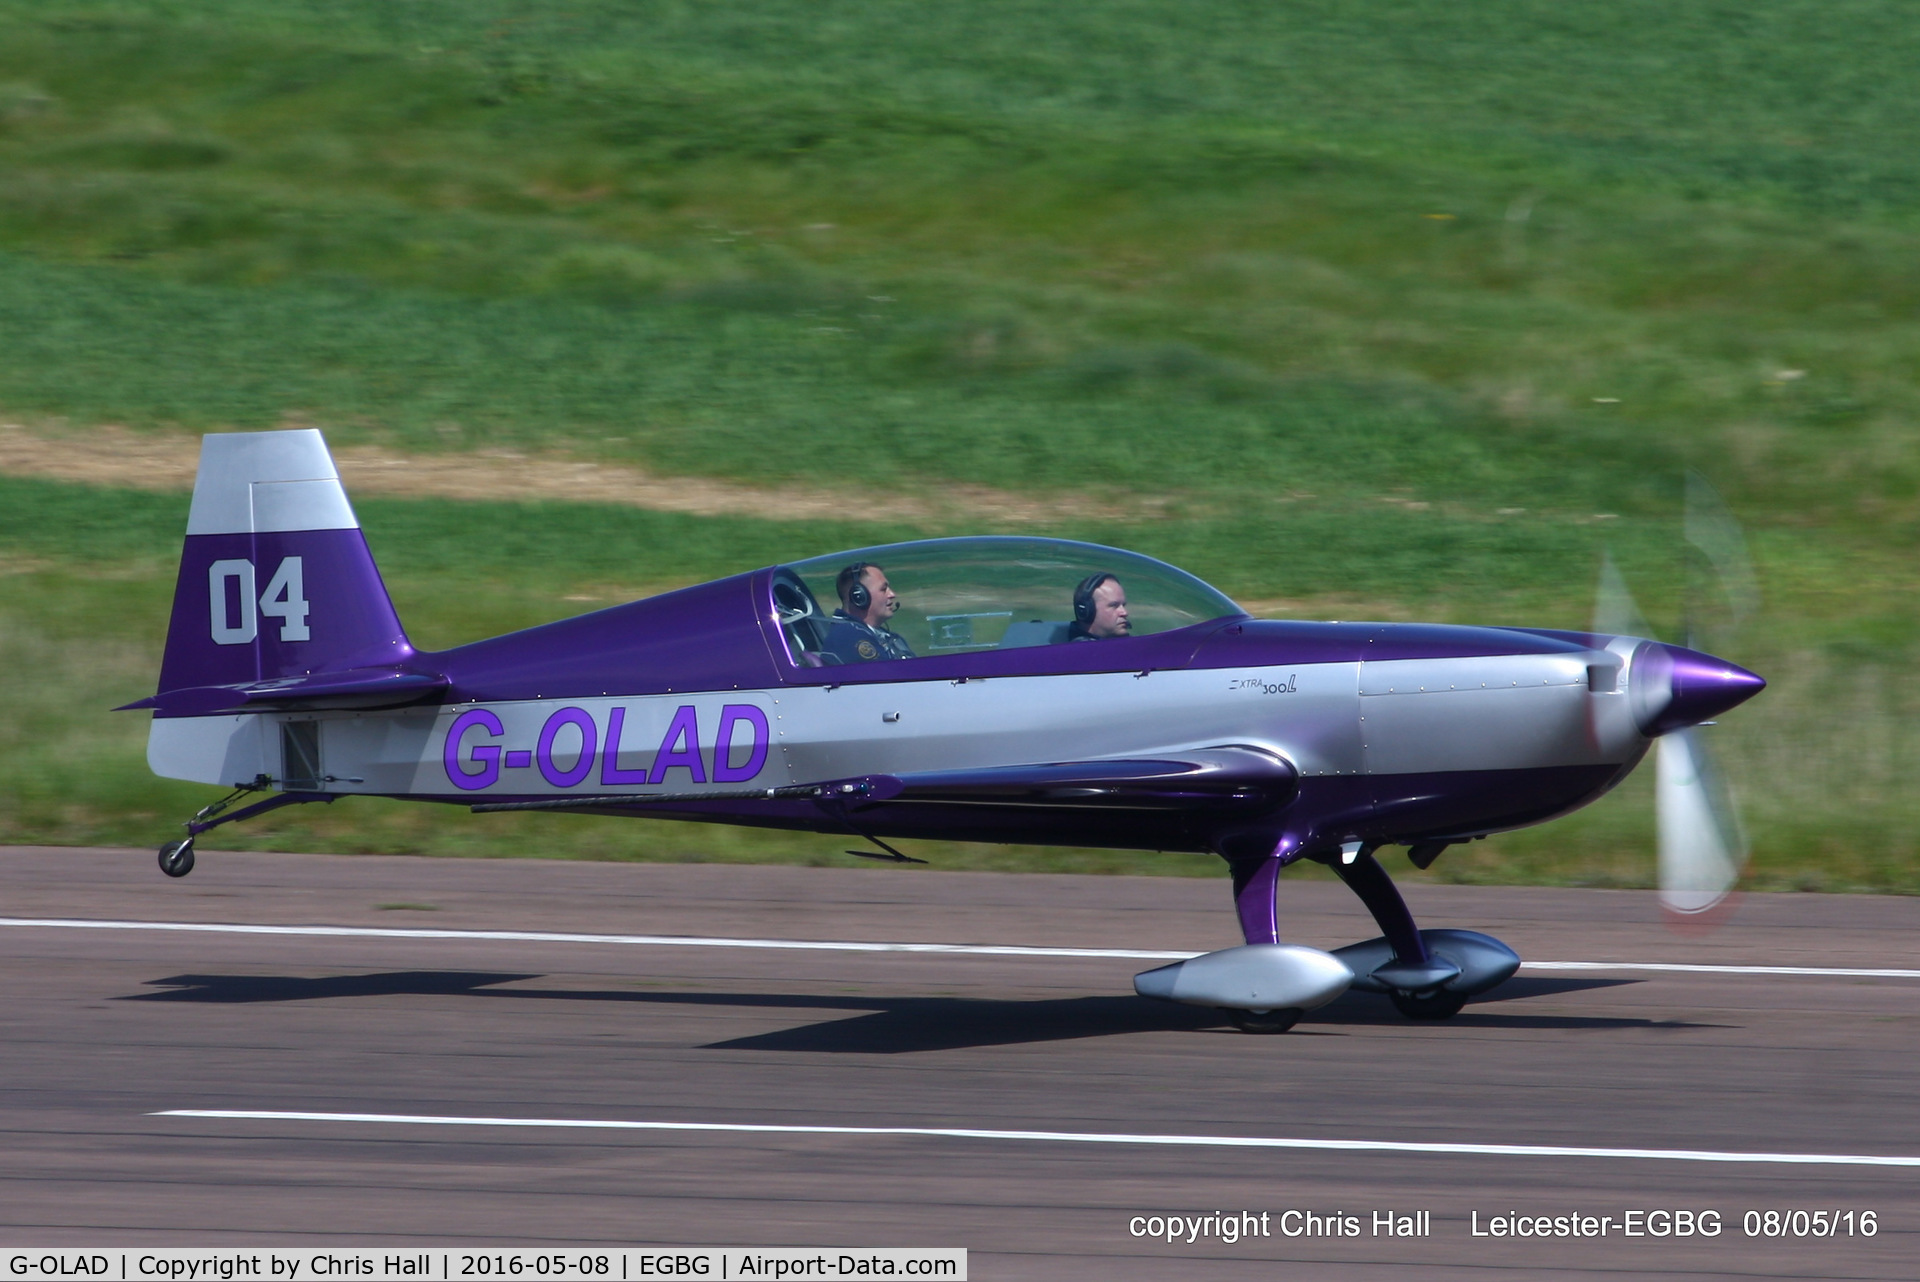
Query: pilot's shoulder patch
[[866, 651]]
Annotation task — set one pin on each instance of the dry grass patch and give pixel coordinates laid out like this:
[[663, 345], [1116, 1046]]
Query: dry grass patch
[[117, 457]]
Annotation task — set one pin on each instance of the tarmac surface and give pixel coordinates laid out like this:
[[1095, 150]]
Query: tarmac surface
[[106, 1027]]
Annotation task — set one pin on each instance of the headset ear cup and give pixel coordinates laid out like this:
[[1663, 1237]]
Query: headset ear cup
[[858, 596], [1083, 597]]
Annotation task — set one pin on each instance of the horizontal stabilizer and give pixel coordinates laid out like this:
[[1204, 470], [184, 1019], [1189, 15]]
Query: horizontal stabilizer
[[1221, 775], [351, 688]]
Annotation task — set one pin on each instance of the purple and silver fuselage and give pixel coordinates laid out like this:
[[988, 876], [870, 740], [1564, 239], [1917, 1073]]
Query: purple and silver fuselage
[[1398, 733]]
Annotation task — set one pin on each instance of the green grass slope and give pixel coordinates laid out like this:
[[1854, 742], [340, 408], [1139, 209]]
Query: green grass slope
[[1406, 311]]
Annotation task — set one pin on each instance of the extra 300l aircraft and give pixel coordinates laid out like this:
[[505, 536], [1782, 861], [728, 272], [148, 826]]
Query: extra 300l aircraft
[[977, 689]]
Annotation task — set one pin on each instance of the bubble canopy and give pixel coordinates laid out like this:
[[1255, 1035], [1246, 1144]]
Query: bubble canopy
[[969, 595]]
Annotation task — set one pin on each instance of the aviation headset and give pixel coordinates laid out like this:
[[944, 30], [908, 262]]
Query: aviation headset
[[1083, 607], [853, 589]]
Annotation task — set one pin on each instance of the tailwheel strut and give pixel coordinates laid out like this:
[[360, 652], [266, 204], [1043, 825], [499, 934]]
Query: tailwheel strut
[[176, 857]]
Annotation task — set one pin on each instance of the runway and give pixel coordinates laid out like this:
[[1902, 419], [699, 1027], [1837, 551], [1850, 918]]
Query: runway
[[528, 1053]]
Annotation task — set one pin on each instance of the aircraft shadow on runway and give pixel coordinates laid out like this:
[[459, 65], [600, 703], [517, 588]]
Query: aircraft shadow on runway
[[300, 988], [885, 1025]]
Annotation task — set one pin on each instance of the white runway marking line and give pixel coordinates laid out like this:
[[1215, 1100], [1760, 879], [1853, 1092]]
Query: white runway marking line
[[1701, 968], [855, 946], [560, 937], [1064, 1137]]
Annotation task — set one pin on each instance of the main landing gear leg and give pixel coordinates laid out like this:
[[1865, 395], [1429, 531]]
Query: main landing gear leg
[[1263, 985], [1255, 891], [1255, 895], [1256, 885], [1422, 981], [176, 857], [1416, 967]]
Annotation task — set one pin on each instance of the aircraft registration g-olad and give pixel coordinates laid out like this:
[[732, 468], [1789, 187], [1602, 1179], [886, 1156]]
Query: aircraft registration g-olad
[[1023, 690]]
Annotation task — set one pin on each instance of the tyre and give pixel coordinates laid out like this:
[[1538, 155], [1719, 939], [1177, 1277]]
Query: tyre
[[1439, 1004], [1264, 1021], [176, 858]]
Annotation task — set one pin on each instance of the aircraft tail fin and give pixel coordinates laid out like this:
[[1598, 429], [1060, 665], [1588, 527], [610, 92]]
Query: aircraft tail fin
[[276, 580]]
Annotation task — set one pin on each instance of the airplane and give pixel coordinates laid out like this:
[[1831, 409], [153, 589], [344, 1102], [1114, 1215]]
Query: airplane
[[973, 689]]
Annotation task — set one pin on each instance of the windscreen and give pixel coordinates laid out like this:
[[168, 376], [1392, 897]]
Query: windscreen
[[959, 595]]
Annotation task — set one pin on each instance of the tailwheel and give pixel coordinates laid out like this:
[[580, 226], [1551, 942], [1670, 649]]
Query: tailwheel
[[176, 857], [1438, 1004], [1264, 1021]]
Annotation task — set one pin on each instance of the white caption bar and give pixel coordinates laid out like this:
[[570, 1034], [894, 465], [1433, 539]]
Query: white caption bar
[[481, 1264], [854, 946], [1068, 1137]]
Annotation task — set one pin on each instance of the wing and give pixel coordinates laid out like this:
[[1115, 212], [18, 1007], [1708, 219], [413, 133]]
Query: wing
[[1179, 781], [1234, 775]]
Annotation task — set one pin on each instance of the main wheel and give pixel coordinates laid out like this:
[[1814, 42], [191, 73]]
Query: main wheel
[[1438, 1004], [176, 858], [1265, 1021]]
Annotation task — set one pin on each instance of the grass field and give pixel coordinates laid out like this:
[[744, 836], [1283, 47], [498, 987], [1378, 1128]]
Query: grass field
[[1404, 313]]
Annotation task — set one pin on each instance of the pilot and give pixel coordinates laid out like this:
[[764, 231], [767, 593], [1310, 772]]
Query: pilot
[[859, 632], [1099, 609]]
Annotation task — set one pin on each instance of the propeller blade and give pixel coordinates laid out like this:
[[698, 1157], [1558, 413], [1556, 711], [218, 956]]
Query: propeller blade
[[1716, 535], [1615, 613], [1703, 850]]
